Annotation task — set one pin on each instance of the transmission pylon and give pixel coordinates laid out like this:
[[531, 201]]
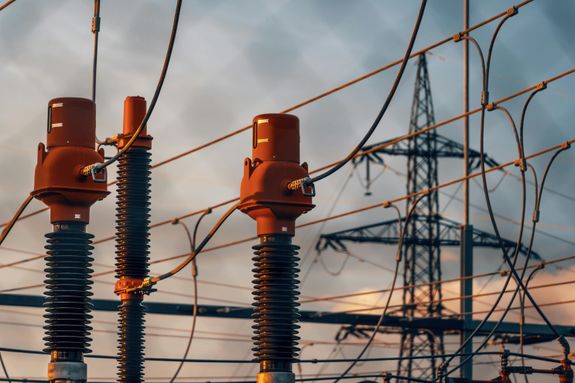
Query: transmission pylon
[[426, 232], [421, 263]]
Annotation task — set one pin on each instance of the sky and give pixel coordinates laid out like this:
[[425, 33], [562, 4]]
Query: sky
[[234, 59]]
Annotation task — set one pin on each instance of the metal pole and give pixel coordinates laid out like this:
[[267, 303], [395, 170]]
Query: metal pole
[[466, 286]]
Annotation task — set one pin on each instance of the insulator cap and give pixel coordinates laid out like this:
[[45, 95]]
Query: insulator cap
[[134, 113], [276, 138], [71, 138], [71, 122], [264, 195]]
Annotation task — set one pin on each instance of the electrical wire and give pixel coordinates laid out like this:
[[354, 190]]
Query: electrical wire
[[455, 298], [192, 242], [564, 145], [198, 249], [12, 222], [94, 168], [4, 369], [307, 361], [519, 280], [310, 181], [373, 149], [484, 101], [345, 85], [321, 227], [6, 4], [522, 164], [522, 318], [399, 250]]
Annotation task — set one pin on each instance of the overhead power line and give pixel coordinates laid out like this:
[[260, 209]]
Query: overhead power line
[[359, 210], [318, 97], [6, 4]]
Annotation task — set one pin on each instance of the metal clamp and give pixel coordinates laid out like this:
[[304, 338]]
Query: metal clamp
[[96, 169], [302, 184], [311, 186]]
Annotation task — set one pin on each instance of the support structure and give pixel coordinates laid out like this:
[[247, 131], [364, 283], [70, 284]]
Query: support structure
[[132, 240], [264, 196], [71, 138], [537, 333], [386, 233], [466, 250]]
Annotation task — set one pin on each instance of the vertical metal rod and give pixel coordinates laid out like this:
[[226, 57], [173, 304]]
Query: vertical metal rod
[[95, 31], [466, 118], [466, 285]]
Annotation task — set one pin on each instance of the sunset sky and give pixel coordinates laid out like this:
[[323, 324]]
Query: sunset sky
[[235, 59]]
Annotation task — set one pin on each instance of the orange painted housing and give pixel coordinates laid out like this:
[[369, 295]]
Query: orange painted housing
[[275, 163], [134, 112], [71, 137]]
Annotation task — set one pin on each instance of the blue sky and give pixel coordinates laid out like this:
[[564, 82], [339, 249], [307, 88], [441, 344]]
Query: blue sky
[[235, 59]]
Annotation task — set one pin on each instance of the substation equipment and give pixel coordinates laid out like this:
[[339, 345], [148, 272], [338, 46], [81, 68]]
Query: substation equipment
[[265, 197], [132, 239], [71, 138]]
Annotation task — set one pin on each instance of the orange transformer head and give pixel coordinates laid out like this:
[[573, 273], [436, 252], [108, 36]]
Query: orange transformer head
[[69, 148], [264, 195], [134, 112]]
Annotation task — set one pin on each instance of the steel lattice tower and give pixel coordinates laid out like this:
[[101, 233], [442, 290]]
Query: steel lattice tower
[[421, 262], [426, 233]]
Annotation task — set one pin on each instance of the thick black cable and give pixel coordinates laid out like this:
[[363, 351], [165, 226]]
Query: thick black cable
[[519, 138], [4, 369], [485, 72], [6, 4], [484, 101], [91, 169], [198, 249], [192, 242], [391, 94], [492, 217], [522, 318], [321, 227], [395, 274]]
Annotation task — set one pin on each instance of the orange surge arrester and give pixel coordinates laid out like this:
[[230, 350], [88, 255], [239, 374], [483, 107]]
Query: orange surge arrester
[[70, 147], [275, 163]]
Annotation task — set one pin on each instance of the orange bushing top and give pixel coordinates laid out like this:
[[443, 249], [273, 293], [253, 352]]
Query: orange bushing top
[[70, 141], [275, 162], [134, 112]]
